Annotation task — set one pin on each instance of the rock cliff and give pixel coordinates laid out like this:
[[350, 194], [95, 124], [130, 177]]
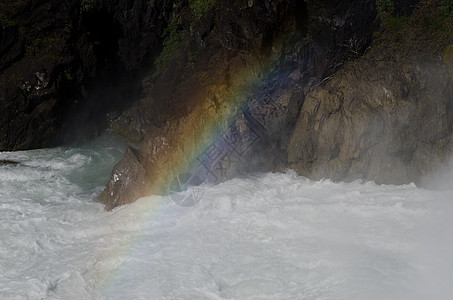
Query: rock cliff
[[211, 89], [387, 116], [66, 64]]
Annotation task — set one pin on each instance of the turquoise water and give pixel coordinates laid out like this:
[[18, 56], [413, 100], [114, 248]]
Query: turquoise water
[[44, 202], [269, 236]]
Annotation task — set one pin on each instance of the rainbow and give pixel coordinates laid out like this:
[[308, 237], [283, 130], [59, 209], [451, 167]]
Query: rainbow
[[203, 131], [198, 132]]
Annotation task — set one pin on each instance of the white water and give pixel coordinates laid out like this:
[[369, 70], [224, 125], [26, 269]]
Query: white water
[[273, 236]]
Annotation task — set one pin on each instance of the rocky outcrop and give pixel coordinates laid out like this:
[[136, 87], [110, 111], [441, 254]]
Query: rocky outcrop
[[387, 121], [237, 117], [387, 116], [323, 109], [66, 64], [211, 89], [29, 67], [133, 168]]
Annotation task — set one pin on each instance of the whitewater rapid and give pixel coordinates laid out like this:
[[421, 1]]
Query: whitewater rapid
[[267, 236]]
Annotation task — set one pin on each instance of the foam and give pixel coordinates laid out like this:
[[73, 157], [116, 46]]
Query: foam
[[269, 236]]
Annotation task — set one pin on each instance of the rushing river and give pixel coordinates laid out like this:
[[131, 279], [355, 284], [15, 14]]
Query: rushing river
[[269, 236]]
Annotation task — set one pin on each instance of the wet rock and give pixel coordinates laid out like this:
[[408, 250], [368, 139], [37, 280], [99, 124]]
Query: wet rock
[[141, 172], [383, 121], [5, 162], [128, 182]]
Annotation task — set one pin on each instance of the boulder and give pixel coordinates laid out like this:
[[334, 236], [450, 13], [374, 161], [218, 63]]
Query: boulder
[[128, 181]]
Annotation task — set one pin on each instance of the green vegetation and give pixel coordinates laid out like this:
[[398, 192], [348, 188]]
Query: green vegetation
[[89, 5], [192, 56], [440, 146], [67, 75], [200, 7], [447, 7], [397, 23], [5, 21], [174, 37], [428, 30], [9, 9], [46, 47], [171, 46], [385, 6], [386, 9], [436, 19], [447, 55], [40, 44]]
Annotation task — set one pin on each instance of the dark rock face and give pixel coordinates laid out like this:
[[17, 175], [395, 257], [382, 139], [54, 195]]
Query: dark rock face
[[66, 64], [28, 82], [404, 7]]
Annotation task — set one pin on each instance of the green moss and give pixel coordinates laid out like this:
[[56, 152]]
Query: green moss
[[447, 7], [38, 45], [9, 9], [200, 7], [397, 23], [447, 56], [22, 31], [5, 21], [385, 6], [42, 45], [436, 21], [428, 30], [171, 46], [192, 56], [67, 75], [89, 5], [440, 146]]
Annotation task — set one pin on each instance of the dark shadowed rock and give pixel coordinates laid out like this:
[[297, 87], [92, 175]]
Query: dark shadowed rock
[[141, 172], [65, 64], [128, 181], [5, 162]]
